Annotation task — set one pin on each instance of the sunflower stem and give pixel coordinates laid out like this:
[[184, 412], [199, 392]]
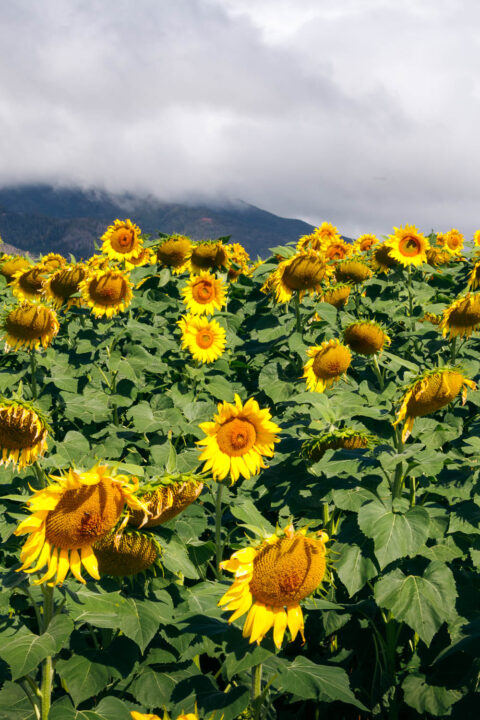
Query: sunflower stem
[[32, 699], [453, 351], [47, 674], [413, 488], [409, 291], [218, 528], [398, 479], [33, 371], [298, 324], [256, 689], [378, 372]]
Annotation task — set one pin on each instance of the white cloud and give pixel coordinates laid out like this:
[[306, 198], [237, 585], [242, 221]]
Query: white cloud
[[364, 114]]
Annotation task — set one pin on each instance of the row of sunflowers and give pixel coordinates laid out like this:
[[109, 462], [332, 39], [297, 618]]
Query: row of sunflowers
[[173, 412]]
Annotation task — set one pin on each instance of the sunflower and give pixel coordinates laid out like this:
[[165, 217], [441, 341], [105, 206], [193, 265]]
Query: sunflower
[[303, 272], [238, 260], [23, 433], [237, 439], [144, 257], [408, 246], [11, 264], [354, 270], [337, 249], [204, 294], [474, 277], [315, 448], [476, 237], [429, 392], [98, 262], [271, 580], [462, 317], [69, 516], [365, 337], [122, 240], [452, 241], [204, 338], [382, 259], [310, 242], [328, 362], [63, 284], [107, 292], [208, 255], [174, 252], [364, 243], [27, 284], [337, 295], [29, 325], [432, 318], [149, 716], [166, 498], [126, 553], [438, 256], [52, 261]]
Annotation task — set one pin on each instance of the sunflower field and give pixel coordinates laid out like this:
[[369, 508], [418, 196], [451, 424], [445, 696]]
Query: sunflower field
[[241, 490]]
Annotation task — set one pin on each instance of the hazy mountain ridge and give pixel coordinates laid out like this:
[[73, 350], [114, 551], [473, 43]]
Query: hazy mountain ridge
[[41, 219]]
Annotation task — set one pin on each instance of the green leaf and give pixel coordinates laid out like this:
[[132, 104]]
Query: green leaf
[[425, 698], [82, 678], [354, 568], [23, 651], [14, 704], [244, 509], [422, 602], [395, 535]]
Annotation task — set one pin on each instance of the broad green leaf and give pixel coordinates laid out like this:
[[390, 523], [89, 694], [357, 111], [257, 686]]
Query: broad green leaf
[[353, 565], [425, 698], [14, 704], [82, 678]]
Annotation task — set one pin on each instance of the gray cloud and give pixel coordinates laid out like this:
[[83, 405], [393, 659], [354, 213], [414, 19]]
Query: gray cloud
[[364, 114]]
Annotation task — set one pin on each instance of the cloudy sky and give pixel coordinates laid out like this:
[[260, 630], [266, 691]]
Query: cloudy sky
[[365, 113]]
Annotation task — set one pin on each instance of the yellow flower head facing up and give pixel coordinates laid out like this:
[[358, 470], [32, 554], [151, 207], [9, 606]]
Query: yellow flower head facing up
[[52, 261], [272, 579], [204, 339], [204, 294], [365, 337], [429, 392], [408, 246], [365, 243], [59, 287], [27, 284], [337, 249], [452, 241], [315, 448], [355, 271], [237, 440], [174, 252], [122, 240], [29, 325], [337, 295], [11, 264], [238, 260], [462, 317], [474, 277], [23, 433], [98, 262], [328, 362], [126, 553], [303, 273], [208, 255], [106, 292], [69, 516], [310, 242], [382, 259], [166, 498]]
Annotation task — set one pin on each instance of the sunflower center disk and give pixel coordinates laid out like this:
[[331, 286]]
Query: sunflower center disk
[[123, 240], [439, 391], [108, 290], [130, 554], [236, 437], [303, 274], [331, 362], [409, 246], [173, 252], [84, 515], [65, 284], [28, 323], [365, 339], [17, 433], [205, 339], [285, 573], [203, 292], [31, 282]]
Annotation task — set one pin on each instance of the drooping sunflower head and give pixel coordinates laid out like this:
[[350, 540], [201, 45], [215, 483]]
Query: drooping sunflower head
[[408, 246], [462, 317], [204, 339], [328, 363], [204, 293], [11, 264], [106, 292], [365, 337], [474, 277], [126, 553], [315, 448], [69, 516], [144, 257], [23, 433], [438, 256], [336, 249], [63, 284], [174, 252], [303, 272], [27, 284], [364, 243], [270, 581], [429, 392], [355, 271], [237, 440], [310, 242], [208, 255], [122, 241], [29, 325], [52, 261], [166, 497], [382, 259], [337, 295]]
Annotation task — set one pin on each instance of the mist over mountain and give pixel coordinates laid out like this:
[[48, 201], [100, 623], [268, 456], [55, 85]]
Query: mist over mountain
[[42, 218]]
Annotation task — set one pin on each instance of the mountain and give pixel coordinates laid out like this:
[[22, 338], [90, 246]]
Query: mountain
[[42, 218]]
